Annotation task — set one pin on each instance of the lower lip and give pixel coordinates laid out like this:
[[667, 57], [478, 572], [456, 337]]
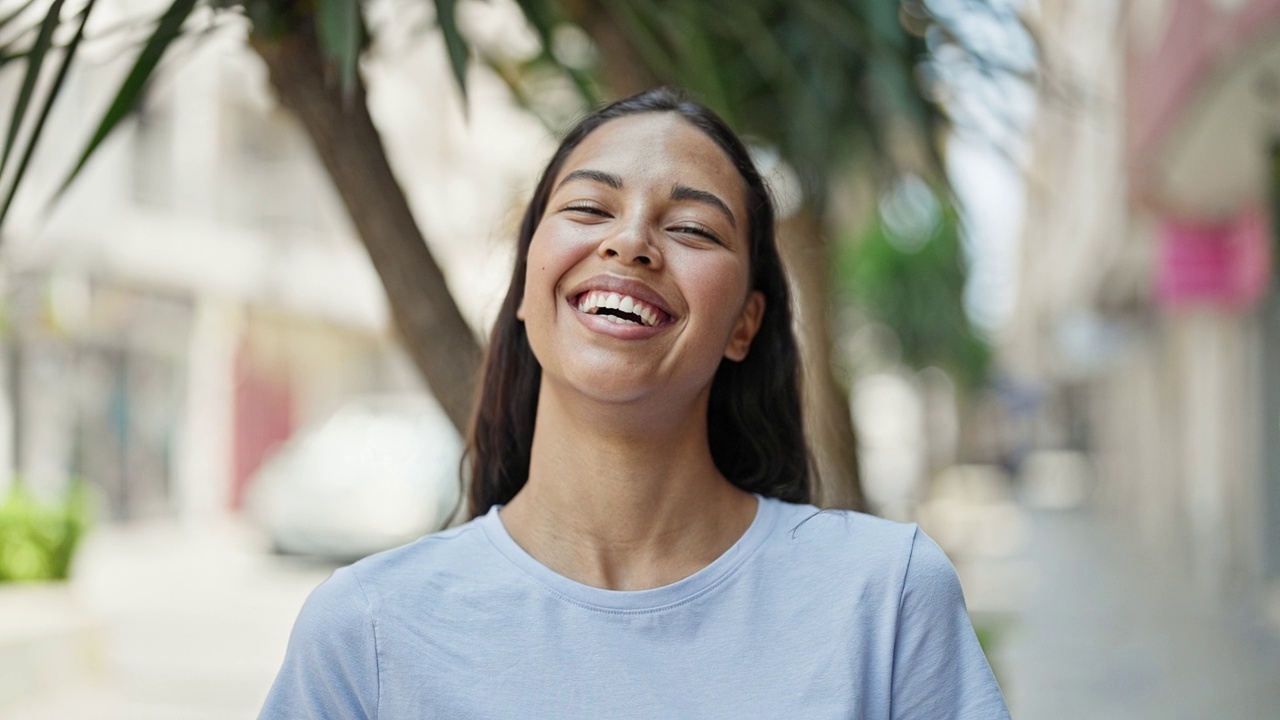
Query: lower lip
[[623, 331]]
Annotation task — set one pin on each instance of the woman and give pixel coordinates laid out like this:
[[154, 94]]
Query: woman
[[637, 547]]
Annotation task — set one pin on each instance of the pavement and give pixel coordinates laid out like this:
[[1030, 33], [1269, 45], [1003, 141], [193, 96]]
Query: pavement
[[159, 621], [1105, 633], [173, 622]]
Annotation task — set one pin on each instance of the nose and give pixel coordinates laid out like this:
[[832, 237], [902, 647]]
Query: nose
[[631, 243]]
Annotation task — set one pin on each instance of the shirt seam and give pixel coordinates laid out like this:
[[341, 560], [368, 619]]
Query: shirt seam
[[728, 573], [377, 662], [452, 533], [911, 551], [897, 618]]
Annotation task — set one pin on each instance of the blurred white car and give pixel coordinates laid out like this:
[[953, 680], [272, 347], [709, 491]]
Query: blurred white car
[[380, 472]]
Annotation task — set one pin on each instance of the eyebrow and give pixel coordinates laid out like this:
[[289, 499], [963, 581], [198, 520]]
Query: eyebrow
[[599, 176], [684, 192], [678, 192]]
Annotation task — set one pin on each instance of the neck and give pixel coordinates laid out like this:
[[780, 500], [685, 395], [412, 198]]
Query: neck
[[624, 497]]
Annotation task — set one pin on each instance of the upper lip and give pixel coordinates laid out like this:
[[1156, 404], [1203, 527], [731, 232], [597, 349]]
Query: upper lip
[[623, 286]]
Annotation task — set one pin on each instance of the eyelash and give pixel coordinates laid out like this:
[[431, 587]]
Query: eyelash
[[700, 231], [690, 228], [591, 209]]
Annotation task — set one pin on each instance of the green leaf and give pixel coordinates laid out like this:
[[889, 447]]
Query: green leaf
[[705, 74], [338, 27], [453, 41], [35, 60], [4, 21], [169, 27], [38, 539], [541, 14], [761, 47], [7, 56], [882, 22], [635, 18], [510, 78], [38, 128]]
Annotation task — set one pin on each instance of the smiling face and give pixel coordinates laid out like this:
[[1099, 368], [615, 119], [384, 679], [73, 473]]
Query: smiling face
[[638, 275]]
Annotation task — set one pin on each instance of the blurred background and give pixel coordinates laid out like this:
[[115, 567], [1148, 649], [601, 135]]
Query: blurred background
[[249, 251]]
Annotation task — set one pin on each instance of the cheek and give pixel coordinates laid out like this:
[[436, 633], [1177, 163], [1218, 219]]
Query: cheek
[[722, 288], [538, 264], [552, 254], [532, 301], [554, 249]]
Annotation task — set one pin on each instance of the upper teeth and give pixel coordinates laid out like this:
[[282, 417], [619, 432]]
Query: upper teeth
[[594, 300]]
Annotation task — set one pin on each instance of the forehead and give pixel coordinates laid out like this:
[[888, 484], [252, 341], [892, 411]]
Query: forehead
[[659, 148]]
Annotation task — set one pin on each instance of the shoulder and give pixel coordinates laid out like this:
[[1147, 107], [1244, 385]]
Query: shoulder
[[851, 546], [436, 549], [338, 609], [930, 572], [428, 561], [806, 529], [355, 598]]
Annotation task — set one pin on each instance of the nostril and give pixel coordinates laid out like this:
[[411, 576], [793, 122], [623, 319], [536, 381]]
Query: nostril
[[643, 259]]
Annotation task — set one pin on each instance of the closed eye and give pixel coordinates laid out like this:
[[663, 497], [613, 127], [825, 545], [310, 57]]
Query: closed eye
[[699, 231], [587, 209]]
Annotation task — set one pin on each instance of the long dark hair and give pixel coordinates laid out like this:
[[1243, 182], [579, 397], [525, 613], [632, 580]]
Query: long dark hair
[[754, 419]]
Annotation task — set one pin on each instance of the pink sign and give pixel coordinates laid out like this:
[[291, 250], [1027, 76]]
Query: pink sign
[[1225, 264]]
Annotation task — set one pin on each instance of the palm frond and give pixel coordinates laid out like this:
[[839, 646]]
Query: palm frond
[[338, 27], [38, 128], [459, 52], [35, 61], [167, 30]]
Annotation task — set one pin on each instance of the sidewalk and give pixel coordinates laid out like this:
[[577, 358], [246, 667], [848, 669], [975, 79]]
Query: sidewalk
[[1104, 636], [159, 622]]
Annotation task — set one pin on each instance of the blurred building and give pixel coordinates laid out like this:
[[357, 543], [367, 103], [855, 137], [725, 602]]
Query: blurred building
[[198, 295], [1148, 303]]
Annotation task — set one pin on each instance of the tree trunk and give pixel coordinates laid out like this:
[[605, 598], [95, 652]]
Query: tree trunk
[[434, 332], [806, 254]]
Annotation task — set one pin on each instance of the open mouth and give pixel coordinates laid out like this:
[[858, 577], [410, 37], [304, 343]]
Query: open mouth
[[620, 308]]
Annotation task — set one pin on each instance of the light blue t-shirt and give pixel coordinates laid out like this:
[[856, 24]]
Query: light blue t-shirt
[[833, 615]]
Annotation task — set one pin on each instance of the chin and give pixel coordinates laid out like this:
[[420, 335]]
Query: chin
[[609, 388]]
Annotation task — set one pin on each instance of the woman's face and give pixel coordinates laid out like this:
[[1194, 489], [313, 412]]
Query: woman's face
[[638, 279]]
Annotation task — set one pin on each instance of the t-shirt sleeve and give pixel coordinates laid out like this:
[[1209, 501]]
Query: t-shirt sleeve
[[331, 666], [939, 669]]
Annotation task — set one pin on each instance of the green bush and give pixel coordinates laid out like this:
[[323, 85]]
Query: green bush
[[38, 539], [991, 634]]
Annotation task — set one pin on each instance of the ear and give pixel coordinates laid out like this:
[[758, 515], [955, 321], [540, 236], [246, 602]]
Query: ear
[[744, 331]]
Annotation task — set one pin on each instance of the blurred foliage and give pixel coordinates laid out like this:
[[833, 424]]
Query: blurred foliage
[[907, 271], [38, 539], [990, 636], [831, 84], [827, 82]]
